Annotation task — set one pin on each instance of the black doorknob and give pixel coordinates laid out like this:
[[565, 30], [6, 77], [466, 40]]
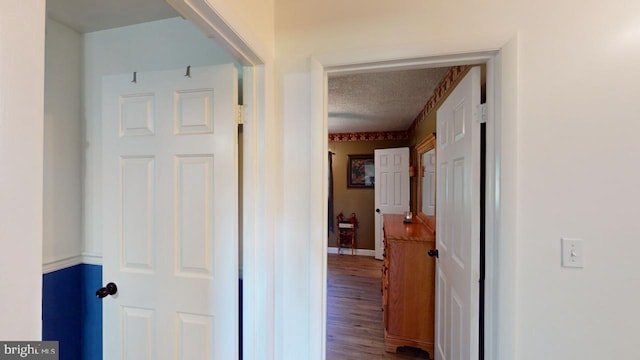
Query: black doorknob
[[110, 289], [433, 253], [378, 211]]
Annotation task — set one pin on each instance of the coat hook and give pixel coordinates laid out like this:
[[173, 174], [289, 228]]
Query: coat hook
[[188, 74], [134, 77]]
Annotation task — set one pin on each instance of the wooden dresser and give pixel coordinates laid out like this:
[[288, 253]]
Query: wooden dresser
[[408, 281]]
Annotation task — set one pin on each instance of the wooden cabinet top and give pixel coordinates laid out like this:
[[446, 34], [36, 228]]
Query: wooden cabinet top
[[396, 229]]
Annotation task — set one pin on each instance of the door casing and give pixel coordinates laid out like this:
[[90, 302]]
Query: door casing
[[321, 67]]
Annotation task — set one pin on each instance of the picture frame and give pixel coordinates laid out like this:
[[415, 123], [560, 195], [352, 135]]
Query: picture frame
[[360, 171]]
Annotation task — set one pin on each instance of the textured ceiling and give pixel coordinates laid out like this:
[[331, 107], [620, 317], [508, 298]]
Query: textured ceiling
[[93, 15], [386, 101]]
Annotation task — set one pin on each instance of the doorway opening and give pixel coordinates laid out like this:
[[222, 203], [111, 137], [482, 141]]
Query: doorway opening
[[488, 60], [77, 58]]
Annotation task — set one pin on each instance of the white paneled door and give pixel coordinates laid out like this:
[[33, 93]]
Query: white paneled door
[[458, 222], [170, 215], [391, 188]]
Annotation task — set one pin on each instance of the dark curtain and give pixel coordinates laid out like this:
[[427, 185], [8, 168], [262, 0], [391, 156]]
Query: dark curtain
[[330, 206]]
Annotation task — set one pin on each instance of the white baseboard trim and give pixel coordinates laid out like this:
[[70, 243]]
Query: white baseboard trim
[[92, 259], [347, 251], [56, 265]]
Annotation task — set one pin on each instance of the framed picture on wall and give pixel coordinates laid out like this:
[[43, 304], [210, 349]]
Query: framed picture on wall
[[360, 171]]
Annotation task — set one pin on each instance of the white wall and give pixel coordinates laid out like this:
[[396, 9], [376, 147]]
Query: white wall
[[578, 127], [570, 134], [22, 27], [62, 241], [158, 45]]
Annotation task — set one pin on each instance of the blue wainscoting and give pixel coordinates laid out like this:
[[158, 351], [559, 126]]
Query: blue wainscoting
[[240, 317], [71, 313], [61, 309], [91, 312]]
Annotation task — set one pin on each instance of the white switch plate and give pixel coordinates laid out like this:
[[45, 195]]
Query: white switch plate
[[572, 253]]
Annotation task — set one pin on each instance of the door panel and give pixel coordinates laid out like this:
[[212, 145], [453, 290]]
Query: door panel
[[136, 115], [429, 183], [194, 220], [136, 213], [170, 218], [442, 313], [458, 220], [195, 336], [139, 337]]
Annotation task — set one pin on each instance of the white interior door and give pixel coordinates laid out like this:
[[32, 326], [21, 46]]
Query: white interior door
[[458, 222], [170, 216], [391, 188]]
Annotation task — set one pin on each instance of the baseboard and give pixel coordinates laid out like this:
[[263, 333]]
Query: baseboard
[[92, 259], [56, 265], [347, 251]]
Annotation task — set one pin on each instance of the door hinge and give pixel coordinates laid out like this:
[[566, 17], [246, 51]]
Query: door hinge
[[239, 114], [482, 113]]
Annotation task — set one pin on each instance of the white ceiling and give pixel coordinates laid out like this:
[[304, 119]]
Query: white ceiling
[[93, 15], [386, 101]]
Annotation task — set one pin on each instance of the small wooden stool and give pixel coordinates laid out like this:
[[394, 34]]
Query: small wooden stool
[[347, 231]]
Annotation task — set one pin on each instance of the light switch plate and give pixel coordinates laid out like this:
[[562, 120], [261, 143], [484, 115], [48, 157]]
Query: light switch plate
[[572, 253]]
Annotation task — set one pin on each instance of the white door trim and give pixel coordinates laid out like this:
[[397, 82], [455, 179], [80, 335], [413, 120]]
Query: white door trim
[[258, 304], [318, 211], [201, 14], [321, 67]]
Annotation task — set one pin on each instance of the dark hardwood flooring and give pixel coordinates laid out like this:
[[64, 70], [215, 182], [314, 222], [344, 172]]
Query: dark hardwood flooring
[[354, 316]]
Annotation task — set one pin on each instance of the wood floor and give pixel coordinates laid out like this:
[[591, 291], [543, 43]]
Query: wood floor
[[354, 316]]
